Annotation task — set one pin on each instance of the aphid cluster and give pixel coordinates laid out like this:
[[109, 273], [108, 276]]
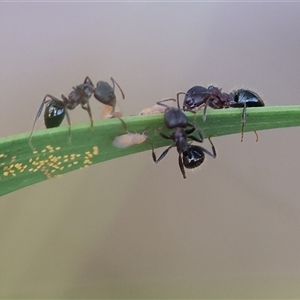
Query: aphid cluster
[[182, 133], [46, 161]]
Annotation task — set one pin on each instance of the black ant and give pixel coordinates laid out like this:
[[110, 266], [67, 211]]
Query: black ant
[[213, 97], [56, 109], [190, 156]]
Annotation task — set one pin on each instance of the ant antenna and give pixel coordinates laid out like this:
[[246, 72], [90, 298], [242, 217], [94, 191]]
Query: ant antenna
[[115, 83]]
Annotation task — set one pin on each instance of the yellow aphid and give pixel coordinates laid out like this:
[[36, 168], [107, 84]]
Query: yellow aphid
[[95, 150]]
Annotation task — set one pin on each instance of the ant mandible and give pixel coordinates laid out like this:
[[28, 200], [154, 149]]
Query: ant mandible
[[190, 156], [213, 97]]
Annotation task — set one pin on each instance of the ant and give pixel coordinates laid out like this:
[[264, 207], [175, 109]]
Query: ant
[[56, 109], [190, 156], [213, 97]]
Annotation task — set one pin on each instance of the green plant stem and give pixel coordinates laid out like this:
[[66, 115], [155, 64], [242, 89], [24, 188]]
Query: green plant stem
[[54, 155]]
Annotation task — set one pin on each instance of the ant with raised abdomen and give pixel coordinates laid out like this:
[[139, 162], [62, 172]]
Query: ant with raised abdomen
[[190, 156]]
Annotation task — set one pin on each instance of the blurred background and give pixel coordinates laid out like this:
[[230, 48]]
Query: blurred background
[[128, 228]]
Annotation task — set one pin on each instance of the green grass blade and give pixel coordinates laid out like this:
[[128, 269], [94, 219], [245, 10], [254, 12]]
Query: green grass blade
[[53, 155]]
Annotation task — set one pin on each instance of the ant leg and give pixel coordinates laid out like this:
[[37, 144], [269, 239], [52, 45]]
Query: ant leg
[[69, 123], [242, 133], [162, 155], [165, 152], [115, 83], [195, 139], [181, 166], [88, 80], [44, 102], [177, 97], [86, 106], [204, 111], [65, 100], [164, 100], [194, 121], [213, 147], [165, 136], [189, 131], [214, 154], [244, 115], [195, 117], [108, 112], [115, 115]]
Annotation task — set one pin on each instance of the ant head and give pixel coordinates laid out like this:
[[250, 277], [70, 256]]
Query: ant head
[[105, 93], [193, 157], [174, 117]]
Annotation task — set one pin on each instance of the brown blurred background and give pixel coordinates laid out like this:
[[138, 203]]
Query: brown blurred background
[[129, 228]]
